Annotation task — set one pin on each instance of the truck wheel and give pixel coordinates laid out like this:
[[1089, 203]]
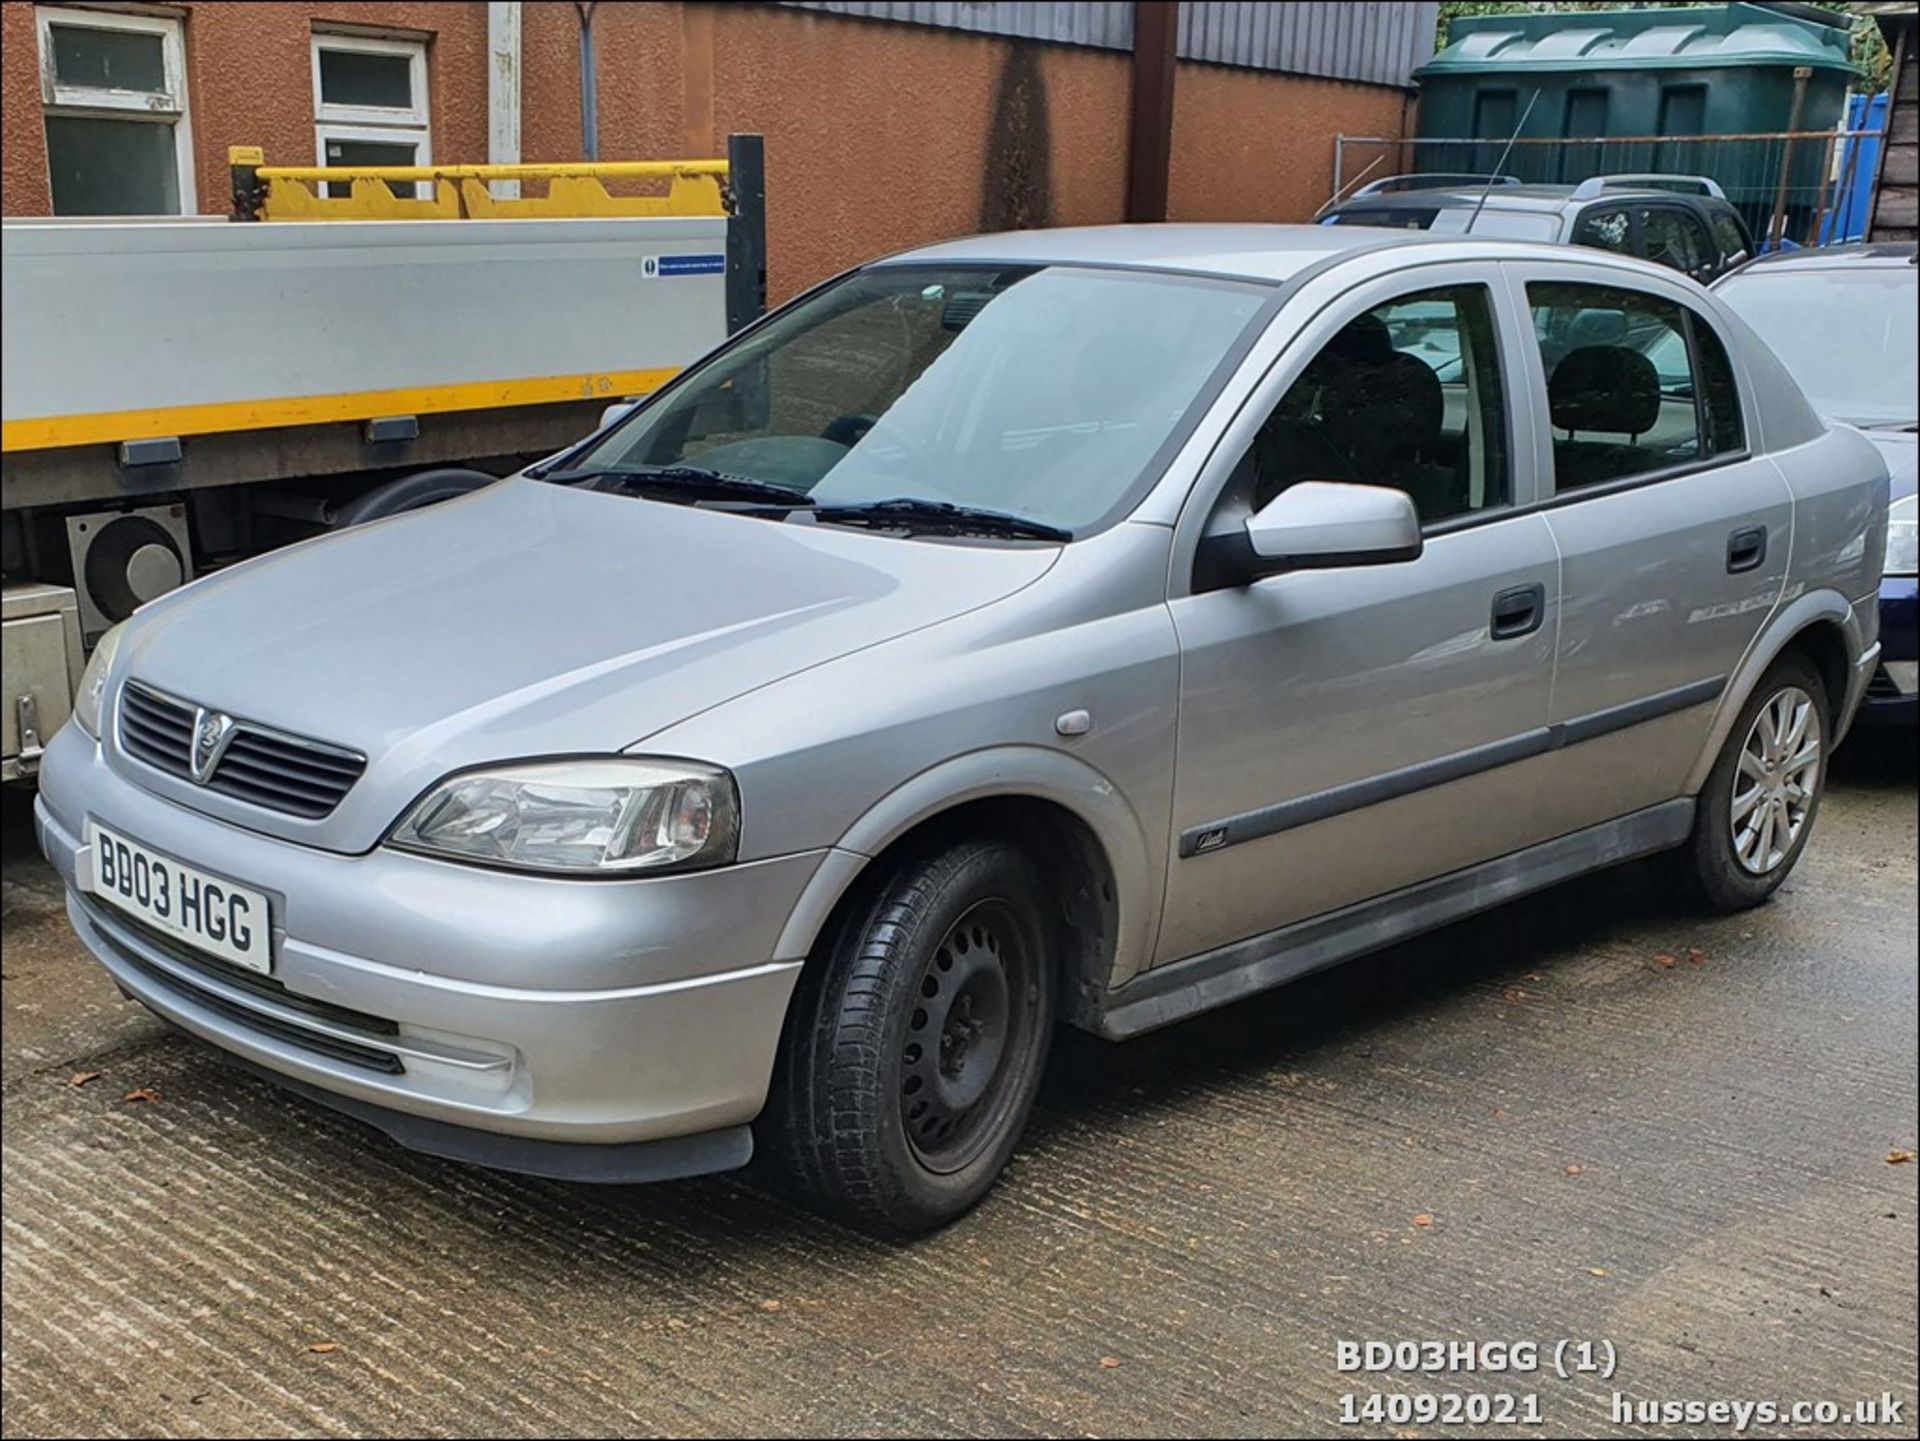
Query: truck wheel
[[409, 492], [1757, 808], [918, 1041]]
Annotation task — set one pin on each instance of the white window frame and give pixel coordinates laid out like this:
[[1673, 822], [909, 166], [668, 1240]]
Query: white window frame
[[412, 117], [135, 106], [386, 124]]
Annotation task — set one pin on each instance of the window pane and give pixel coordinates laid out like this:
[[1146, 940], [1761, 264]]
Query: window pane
[[369, 152], [1726, 229], [1674, 238], [358, 77], [1045, 393], [1620, 385], [108, 59], [1719, 396], [1407, 395], [1847, 336], [1605, 230], [111, 167]]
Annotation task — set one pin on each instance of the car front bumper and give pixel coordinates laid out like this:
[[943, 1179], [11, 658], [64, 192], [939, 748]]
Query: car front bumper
[[1893, 695], [556, 1026]]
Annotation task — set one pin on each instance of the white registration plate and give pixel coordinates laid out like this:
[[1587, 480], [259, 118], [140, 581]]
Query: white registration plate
[[207, 912]]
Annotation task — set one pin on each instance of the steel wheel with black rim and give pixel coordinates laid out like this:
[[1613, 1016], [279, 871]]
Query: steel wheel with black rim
[[918, 1039], [1757, 809]]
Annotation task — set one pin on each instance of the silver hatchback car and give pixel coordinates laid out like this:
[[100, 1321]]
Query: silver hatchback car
[[1084, 626]]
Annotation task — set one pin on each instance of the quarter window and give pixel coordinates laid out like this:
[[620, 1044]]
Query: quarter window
[[1635, 384], [1406, 395], [115, 94], [370, 103]]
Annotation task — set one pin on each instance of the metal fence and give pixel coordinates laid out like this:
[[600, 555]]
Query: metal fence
[[1793, 188]]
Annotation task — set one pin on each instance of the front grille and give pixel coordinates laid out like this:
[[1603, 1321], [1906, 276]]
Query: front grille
[[334, 1047], [264, 767]]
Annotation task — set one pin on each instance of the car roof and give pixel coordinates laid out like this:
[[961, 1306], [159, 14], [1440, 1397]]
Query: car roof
[[1885, 254], [1251, 252], [1266, 253]]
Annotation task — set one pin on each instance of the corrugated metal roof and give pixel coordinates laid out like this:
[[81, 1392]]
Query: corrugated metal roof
[[1370, 40], [1107, 24], [1374, 41]]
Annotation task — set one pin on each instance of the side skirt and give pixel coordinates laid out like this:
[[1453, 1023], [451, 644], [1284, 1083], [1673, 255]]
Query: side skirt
[[1219, 977]]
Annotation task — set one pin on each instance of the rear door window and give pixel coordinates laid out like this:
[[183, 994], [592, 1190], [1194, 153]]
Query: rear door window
[[1674, 237], [1636, 384]]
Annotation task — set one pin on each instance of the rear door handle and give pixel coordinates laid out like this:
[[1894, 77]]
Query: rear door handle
[[1518, 612], [1746, 549]]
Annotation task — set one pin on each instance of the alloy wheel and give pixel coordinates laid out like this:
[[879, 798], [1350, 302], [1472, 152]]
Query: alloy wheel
[[1777, 780]]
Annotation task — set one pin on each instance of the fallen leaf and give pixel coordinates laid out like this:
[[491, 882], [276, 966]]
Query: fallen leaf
[[324, 1348], [1574, 1170], [142, 1093], [1596, 1270], [1696, 956], [1666, 960], [769, 1305], [80, 1078], [1423, 1219], [1899, 1158], [1109, 1362], [1501, 1113], [1515, 995]]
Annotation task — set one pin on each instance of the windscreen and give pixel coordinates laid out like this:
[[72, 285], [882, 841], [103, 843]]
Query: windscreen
[[1038, 392], [1847, 336]]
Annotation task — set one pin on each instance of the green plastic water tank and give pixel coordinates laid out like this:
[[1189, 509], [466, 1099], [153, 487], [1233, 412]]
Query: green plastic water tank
[[1701, 70]]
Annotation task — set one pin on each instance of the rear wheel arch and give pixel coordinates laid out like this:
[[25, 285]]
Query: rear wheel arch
[[1821, 625]]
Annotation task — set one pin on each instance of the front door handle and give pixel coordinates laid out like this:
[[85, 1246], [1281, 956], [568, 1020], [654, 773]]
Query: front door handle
[[1746, 549], [1518, 612]]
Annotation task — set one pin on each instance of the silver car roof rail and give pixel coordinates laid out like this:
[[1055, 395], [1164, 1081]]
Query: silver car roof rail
[[1685, 184], [1436, 180]]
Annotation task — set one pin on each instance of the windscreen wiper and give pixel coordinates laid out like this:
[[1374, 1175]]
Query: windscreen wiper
[[938, 517], [688, 482]]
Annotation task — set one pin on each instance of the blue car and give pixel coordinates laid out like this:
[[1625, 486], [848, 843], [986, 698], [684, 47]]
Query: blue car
[[1846, 320]]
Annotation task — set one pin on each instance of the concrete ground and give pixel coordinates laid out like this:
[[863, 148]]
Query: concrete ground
[[1593, 1116]]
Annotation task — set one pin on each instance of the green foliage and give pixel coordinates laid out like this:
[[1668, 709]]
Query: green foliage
[[1869, 50]]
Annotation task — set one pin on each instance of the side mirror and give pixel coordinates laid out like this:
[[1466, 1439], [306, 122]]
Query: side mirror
[[618, 409], [1315, 525]]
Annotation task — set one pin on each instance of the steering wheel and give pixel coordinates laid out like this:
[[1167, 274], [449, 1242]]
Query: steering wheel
[[850, 428]]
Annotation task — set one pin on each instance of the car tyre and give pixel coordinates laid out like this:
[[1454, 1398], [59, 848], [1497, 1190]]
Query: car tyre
[[917, 1041], [1757, 809]]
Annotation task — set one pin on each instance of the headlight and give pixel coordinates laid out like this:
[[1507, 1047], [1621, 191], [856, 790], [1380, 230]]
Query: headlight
[[1903, 537], [89, 702], [587, 817]]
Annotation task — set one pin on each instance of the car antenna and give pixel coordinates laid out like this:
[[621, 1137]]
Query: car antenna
[[1501, 163]]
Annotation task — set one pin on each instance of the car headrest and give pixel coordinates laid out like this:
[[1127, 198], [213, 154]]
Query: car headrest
[[1365, 339], [1606, 388], [1416, 404]]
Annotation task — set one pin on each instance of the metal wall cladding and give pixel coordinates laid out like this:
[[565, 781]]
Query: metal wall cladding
[[1367, 40], [1373, 41], [1107, 24]]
